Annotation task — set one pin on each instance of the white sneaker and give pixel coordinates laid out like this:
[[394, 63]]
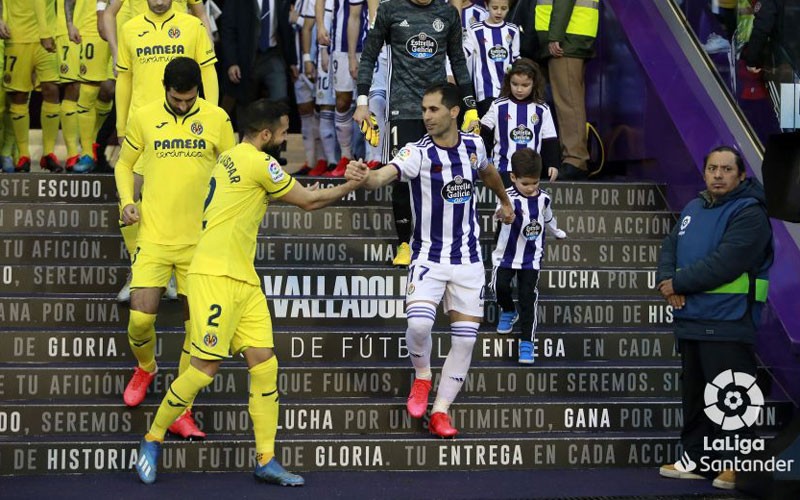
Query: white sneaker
[[716, 44], [172, 289], [559, 234], [124, 295]]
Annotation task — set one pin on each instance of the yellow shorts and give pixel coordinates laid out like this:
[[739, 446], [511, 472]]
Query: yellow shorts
[[69, 59], [228, 316], [153, 264], [96, 63], [22, 59]]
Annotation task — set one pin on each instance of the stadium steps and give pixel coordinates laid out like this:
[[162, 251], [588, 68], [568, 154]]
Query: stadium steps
[[603, 392]]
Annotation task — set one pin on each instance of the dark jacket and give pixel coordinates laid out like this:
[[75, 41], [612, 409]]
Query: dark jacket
[[774, 31], [239, 32], [745, 246], [577, 46], [522, 15]]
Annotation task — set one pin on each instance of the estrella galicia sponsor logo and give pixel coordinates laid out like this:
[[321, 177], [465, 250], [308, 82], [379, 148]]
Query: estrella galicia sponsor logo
[[174, 32], [498, 53], [210, 339], [521, 134], [422, 46], [196, 128], [457, 191], [532, 230]]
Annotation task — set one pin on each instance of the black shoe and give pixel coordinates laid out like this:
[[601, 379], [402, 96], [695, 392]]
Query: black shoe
[[569, 172]]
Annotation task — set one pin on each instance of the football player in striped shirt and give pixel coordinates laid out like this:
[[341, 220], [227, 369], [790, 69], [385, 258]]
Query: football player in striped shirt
[[471, 13], [494, 46], [520, 248], [520, 119], [441, 169]]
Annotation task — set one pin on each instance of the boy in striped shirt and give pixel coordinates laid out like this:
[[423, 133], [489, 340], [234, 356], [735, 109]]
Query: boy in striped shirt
[[520, 248]]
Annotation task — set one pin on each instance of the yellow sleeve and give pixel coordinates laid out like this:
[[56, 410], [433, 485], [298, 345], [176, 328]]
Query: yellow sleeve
[[204, 54], [123, 55], [227, 139], [275, 181], [123, 171], [210, 84], [40, 8], [123, 100]]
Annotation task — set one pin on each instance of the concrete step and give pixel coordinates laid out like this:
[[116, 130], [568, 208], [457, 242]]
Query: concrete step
[[293, 311], [93, 188], [335, 346], [332, 419], [601, 380], [350, 221], [346, 281], [322, 251], [417, 452]]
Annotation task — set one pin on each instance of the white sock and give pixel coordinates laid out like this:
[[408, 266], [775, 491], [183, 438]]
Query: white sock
[[421, 316], [344, 132], [327, 134], [456, 366]]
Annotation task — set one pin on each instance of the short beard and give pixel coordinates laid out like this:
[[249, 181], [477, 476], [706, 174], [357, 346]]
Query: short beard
[[272, 149]]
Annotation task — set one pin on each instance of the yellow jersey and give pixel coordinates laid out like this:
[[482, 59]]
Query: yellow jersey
[[132, 8], [85, 17], [148, 42], [27, 25], [57, 16], [242, 183], [178, 154]]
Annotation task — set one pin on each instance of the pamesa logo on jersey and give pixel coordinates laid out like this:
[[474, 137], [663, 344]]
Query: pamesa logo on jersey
[[457, 191], [521, 134], [422, 46]]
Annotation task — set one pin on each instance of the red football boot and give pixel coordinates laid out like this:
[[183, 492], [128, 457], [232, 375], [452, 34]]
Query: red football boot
[[186, 427], [137, 387], [417, 402], [440, 425]]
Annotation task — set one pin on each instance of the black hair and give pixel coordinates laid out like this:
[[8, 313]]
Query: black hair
[[263, 114], [526, 163], [451, 96], [727, 149], [182, 74]]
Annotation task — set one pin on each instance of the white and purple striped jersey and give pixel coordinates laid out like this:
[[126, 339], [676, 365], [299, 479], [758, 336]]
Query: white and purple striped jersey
[[341, 16], [517, 125], [520, 244], [473, 13], [442, 185], [493, 50]]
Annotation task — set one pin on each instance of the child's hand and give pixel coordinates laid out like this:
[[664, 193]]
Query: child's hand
[[553, 173]]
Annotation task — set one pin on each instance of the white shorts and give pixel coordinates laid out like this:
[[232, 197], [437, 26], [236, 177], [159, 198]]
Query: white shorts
[[325, 96], [460, 284], [303, 90], [340, 70]]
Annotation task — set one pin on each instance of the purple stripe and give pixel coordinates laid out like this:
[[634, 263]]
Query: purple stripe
[[502, 126], [522, 119], [531, 246], [480, 35], [537, 128], [474, 226], [457, 169], [499, 66], [459, 335], [415, 185], [513, 235], [436, 215]]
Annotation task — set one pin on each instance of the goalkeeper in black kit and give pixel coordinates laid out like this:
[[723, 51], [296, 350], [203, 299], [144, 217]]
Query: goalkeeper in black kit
[[421, 35]]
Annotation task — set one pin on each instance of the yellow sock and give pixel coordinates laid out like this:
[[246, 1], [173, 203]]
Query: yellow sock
[[7, 148], [51, 114], [103, 109], [179, 396], [129, 234], [142, 339], [69, 126], [21, 124], [87, 116], [264, 407], [186, 357]]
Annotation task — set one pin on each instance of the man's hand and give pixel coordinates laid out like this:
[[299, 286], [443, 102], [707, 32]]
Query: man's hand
[[5, 33], [555, 49], [294, 72], [310, 70], [471, 122], [665, 287], [552, 172], [235, 73], [361, 113], [505, 213], [74, 34], [49, 44], [677, 301], [357, 171], [130, 214], [353, 63], [324, 61], [322, 36], [753, 69]]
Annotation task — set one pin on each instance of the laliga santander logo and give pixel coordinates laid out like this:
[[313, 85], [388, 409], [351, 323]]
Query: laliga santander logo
[[733, 400]]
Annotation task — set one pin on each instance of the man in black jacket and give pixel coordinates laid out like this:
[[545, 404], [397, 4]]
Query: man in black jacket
[[713, 272], [257, 49], [774, 27]]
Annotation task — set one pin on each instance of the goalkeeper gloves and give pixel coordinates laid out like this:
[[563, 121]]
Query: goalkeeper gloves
[[371, 131], [470, 116]]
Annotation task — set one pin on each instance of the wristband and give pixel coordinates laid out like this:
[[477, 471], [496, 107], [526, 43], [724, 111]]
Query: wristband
[[362, 100], [101, 6], [307, 58]]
